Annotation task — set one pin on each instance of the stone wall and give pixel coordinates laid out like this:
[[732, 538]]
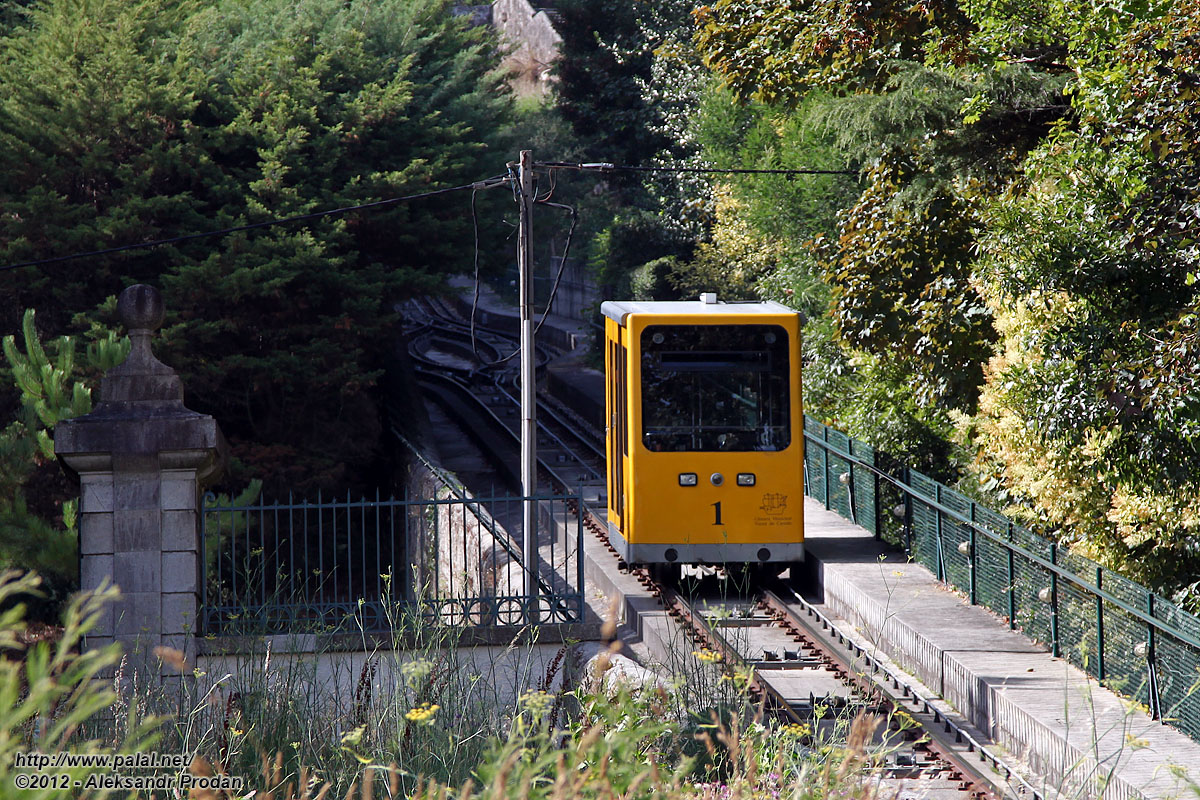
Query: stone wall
[[460, 548], [535, 44]]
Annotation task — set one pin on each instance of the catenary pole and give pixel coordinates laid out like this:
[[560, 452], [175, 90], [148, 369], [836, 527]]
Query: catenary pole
[[528, 386]]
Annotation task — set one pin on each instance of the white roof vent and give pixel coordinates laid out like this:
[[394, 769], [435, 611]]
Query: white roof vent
[[708, 298]]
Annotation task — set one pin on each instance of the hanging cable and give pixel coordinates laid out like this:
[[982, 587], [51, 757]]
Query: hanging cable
[[513, 182], [562, 263], [553, 289], [475, 299], [483, 184], [553, 185]]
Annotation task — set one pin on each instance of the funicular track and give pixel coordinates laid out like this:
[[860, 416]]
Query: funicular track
[[569, 452], [804, 670]]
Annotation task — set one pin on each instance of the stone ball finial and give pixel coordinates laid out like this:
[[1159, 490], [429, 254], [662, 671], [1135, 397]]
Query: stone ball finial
[[140, 307]]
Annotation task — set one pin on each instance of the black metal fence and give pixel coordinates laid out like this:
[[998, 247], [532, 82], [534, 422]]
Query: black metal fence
[[339, 564], [1124, 635]]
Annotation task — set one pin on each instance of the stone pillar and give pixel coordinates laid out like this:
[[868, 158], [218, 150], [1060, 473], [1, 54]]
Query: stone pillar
[[142, 458]]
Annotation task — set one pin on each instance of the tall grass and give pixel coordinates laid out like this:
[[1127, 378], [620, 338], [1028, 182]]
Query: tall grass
[[428, 723]]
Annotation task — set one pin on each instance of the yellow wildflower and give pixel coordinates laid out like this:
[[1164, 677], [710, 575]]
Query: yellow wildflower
[[422, 714]]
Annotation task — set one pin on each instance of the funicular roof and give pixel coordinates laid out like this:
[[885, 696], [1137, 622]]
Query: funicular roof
[[618, 310]]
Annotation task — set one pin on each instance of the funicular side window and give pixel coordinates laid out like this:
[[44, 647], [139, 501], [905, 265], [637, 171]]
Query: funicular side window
[[715, 387], [618, 418]]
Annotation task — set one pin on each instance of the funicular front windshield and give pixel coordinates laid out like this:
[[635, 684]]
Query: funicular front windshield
[[715, 387]]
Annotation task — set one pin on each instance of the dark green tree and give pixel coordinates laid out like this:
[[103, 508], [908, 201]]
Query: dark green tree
[[97, 147], [606, 55], [283, 333], [161, 118]]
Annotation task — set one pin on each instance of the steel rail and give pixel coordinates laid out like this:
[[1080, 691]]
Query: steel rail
[[767, 693], [493, 335], [443, 326], [945, 736], [948, 735], [591, 470]]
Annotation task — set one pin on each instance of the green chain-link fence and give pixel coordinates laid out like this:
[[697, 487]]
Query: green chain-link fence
[[1130, 639]]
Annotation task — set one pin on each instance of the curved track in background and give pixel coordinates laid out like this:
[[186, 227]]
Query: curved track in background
[[485, 400]]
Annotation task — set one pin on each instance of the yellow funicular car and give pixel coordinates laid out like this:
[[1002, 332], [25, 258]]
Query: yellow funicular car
[[705, 437]]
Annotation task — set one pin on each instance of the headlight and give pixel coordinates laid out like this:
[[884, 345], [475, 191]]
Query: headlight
[[687, 479], [745, 479]]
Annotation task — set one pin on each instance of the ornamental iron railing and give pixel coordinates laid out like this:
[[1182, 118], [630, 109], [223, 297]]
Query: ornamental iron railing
[[1128, 638], [343, 564]]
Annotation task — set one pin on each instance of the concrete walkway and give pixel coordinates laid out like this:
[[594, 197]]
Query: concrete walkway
[[1084, 740]]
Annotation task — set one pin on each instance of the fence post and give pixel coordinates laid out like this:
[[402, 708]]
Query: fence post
[[579, 549], [1099, 624], [972, 563], [1012, 582], [1151, 662], [414, 553], [804, 459], [937, 529], [850, 498], [825, 462], [908, 511], [878, 502], [1054, 648], [323, 578], [141, 458]]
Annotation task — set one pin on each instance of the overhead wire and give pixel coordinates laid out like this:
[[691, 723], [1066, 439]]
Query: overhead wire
[[600, 166], [604, 166], [515, 184], [509, 178], [550, 192], [475, 185], [553, 167]]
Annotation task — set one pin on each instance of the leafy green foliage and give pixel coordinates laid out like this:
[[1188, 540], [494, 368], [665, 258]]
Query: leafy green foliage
[[604, 55], [1053, 35], [1089, 415], [631, 240], [53, 386], [56, 689], [94, 149], [735, 260], [790, 208], [900, 275], [777, 52], [124, 122], [43, 382]]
